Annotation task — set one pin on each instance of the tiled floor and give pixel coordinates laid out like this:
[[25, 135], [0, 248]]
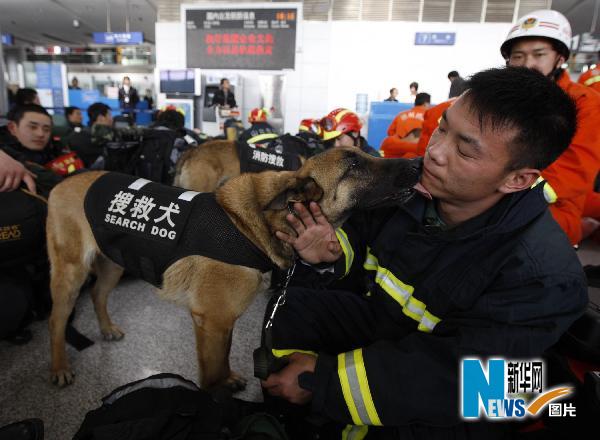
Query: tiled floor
[[159, 338]]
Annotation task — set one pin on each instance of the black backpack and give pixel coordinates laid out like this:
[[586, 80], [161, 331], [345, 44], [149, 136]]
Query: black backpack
[[167, 406], [120, 153], [154, 156], [22, 235], [120, 156]]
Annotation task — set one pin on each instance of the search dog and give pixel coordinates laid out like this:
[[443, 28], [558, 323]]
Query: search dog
[[216, 293], [211, 164]]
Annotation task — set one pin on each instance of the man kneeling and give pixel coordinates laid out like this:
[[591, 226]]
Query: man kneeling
[[482, 270]]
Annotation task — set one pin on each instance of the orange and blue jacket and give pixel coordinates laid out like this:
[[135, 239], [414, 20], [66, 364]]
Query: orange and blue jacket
[[395, 145]]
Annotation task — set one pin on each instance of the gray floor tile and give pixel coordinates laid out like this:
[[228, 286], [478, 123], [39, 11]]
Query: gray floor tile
[[159, 337]]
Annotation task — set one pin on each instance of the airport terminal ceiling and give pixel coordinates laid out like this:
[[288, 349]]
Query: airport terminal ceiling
[[72, 22]]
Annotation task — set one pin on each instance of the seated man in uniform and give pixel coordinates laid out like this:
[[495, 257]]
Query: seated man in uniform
[[341, 128], [480, 270], [15, 299], [30, 127], [74, 118], [309, 130], [89, 142], [23, 260], [260, 131]]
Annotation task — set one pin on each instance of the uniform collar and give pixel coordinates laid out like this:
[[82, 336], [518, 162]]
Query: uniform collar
[[431, 219], [512, 212]]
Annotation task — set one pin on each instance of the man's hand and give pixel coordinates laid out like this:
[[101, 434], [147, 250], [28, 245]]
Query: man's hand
[[316, 241], [284, 383], [12, 173]]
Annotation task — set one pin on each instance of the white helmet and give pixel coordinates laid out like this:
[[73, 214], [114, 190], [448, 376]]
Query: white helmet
[[543, 23]]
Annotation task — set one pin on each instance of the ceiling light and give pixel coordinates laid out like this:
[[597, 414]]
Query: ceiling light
[[75, 23]]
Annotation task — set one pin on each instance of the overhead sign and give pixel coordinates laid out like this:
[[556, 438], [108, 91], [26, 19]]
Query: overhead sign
[[8, 39], [118, 37], [435, 38], [242, 38]]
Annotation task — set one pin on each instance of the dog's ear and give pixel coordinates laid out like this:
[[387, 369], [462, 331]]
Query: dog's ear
[[296, 190]]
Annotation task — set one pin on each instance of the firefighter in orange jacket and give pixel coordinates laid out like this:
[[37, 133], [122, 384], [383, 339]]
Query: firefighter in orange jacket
[[540, 40], [430, 123], [405, 129], [341, 128], [591, 78]]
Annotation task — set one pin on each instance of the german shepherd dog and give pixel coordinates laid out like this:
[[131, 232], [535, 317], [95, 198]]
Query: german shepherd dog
[[211, 164], [340, 180]]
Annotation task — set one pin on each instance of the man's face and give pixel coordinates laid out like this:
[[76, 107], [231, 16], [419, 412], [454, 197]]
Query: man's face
[[32, 131], [76, 117], [345, 140], [413, 91], [126, 82], [462, 163], [394, 93], [537, 54], [226, 85]]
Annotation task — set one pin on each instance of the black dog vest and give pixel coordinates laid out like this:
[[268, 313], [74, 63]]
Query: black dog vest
[[256, 159], [145, 227]]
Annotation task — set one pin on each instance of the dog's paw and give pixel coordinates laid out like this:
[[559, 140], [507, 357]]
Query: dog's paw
[[62, 377], [112, 333], [235, 382]]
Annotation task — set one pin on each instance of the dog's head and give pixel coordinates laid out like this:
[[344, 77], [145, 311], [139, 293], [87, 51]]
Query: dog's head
[[344, 179], [339, 179]]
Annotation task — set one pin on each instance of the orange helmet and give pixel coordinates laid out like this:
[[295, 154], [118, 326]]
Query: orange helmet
[[310, 125], [258, 115], [338, 122]]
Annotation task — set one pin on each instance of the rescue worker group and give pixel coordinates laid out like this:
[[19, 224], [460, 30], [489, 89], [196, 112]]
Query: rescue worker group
[[484, 264]]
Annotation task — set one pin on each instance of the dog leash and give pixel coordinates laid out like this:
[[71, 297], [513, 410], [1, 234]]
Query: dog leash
[[265, 361], [281, 299]]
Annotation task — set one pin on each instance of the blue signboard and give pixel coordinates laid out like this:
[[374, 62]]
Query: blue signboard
[[43, 73], [8, 39], [118, 37], [435, 38], [56, 79], [49, 77]]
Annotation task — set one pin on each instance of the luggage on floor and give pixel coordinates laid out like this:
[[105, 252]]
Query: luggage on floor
[[167, 406]]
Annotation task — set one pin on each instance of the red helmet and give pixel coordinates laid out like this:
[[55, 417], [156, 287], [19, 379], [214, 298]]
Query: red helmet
[[310, 125], [338, 122], [258, 115]]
